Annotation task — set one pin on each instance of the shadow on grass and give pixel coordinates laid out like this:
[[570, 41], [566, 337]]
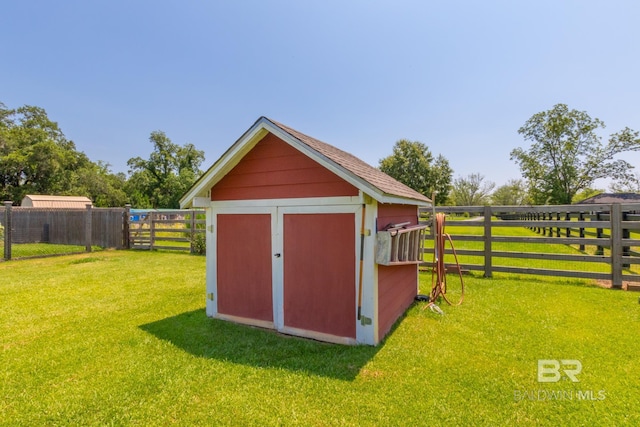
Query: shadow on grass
[[202, 336]]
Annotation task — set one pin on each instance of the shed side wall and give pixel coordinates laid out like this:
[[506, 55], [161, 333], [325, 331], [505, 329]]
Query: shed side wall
[[397, 285], [275, 170]]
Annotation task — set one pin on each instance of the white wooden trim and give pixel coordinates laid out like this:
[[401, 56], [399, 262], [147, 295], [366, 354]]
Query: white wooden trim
[[246, 321], [201, 202], [277, 269], [241, 209], [320, 336], [397, 200], [310, 201], [351, 208], [211, 272], [367, 334]]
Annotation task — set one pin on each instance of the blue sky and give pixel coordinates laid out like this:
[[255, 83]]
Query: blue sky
[[459, 76]]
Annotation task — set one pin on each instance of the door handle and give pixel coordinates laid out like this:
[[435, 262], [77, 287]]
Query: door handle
[[277, 255]]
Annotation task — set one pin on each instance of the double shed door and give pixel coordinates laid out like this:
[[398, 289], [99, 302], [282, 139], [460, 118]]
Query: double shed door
[[293, 268]]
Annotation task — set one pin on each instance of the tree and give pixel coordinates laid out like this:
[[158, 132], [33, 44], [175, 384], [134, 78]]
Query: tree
[[96, 181], [630, 184], [471, 191], [567, 155], [160, 181], [36, 158], [413, 165], [513, 193], [33, 153]]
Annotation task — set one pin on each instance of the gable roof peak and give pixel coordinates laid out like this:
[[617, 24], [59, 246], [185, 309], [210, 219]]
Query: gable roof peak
[[355, 166], [363, 176]]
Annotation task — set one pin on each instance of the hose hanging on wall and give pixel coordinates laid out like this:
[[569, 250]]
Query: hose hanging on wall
[[453, 295]]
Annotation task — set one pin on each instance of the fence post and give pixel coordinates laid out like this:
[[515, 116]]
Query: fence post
[[193, 228], [487, 242], [125, 226], [616, 245], [152, 230], [88, 240], [7, 230], [581, 231]]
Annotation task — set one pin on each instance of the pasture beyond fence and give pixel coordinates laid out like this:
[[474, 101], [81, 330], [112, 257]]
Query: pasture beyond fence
[[575, 241], [28, 232]]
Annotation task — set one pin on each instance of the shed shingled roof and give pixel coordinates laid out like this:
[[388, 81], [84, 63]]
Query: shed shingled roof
[[609, 198], [351, 163]]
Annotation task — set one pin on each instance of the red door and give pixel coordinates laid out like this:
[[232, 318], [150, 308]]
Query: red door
[[320, 273], [244, 263]]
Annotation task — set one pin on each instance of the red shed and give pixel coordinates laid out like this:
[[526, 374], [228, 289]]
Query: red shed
[[296, 240]]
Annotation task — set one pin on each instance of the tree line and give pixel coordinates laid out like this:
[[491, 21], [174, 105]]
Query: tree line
[[37, 158], [564, 160]]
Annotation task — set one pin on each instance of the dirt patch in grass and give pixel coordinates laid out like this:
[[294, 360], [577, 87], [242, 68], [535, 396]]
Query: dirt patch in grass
[[627, 286]]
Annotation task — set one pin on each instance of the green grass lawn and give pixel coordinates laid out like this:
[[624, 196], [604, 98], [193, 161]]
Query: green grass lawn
[[121, 338], [28, 250]]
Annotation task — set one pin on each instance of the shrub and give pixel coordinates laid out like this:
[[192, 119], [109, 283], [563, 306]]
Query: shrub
[[199, 244]]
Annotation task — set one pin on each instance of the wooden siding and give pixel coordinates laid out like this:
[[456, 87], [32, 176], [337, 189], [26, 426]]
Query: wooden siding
[[244, 265], [397, 288], [395, 214], [319, 273], [397, 285], [274, 170]]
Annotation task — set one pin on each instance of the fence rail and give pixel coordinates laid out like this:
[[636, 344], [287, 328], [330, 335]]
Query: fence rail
[[600, 241], [167, 229]]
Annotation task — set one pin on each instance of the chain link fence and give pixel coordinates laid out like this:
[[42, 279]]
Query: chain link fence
[[38, 232]]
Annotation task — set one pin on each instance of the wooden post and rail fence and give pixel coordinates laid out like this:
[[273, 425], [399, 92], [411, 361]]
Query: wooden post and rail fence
[[178, 229], [600, 241]]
